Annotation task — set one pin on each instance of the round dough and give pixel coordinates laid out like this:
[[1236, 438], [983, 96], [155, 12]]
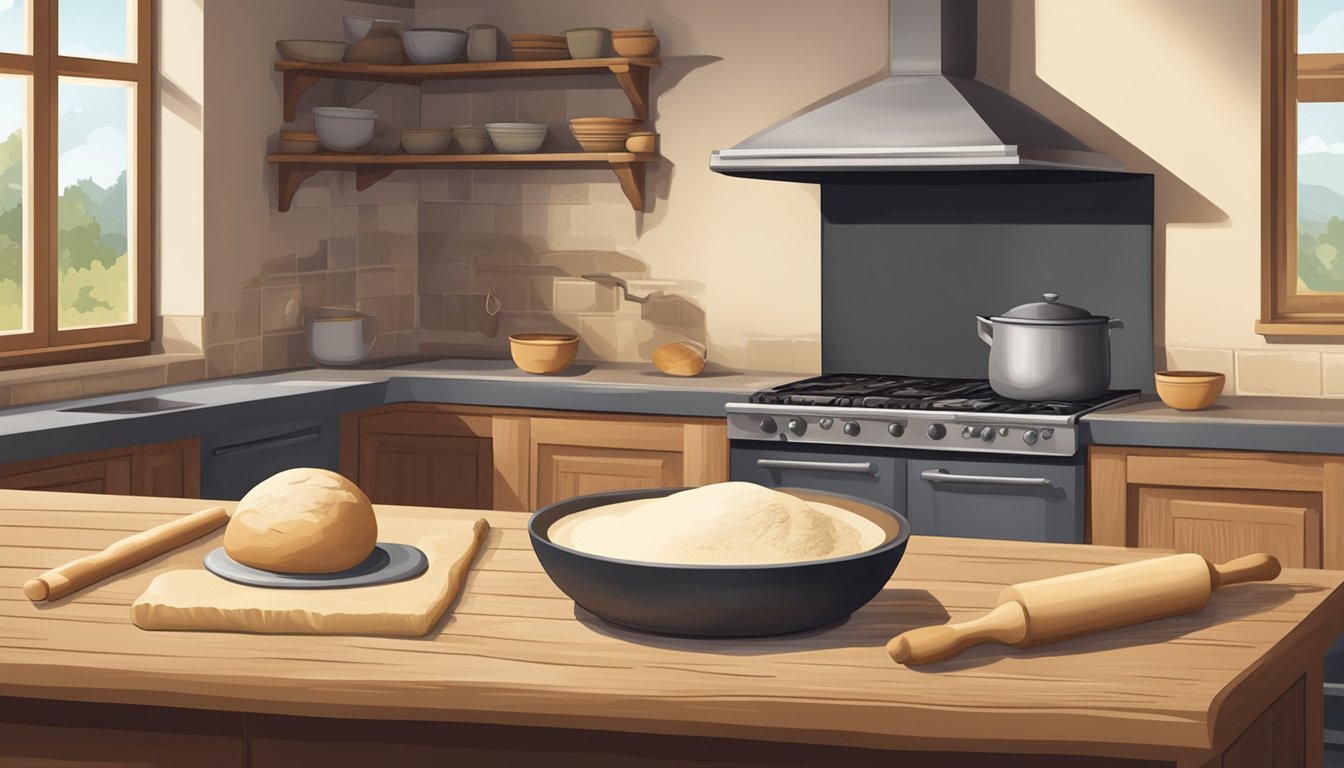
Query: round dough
[[302, 521]]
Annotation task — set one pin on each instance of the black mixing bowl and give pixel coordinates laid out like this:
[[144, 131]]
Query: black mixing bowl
[[719, 600]]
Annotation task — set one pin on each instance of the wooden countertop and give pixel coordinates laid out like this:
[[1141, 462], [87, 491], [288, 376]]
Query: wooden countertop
[[515, 650]]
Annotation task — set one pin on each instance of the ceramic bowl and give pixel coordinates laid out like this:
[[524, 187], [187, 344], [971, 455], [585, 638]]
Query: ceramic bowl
[[358, 27], [543, 352], [587, 42], [434, 46], [634, 43], [516, 138], [719, 600], [642, 141], [426, 141], [471, 139], [313, 51], [343, 129], [1189, 390], [297, 143]]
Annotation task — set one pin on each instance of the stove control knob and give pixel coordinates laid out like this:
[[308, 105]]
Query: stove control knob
[[1046, 434], [896, 429], [936, 431], [967, 433], [987, 434], [1029, 437], [797, 426], [1003, 431], [768, 426], [852, 428], [826, 423]]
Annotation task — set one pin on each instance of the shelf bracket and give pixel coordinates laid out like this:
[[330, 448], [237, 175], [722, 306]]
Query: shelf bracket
[[635, 82], [367, 177], [290, 179], [631, 176], [296, 84]]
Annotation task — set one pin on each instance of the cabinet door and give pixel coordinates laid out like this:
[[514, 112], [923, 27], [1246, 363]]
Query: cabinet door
[[422, 455], [1225, 524], [92, 474], [425, 470], [172, 469], [572, 457]]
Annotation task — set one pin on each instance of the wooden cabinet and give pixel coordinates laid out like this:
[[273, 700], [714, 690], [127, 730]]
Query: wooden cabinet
[[165, 469], [521, 460], [1220, 504], [422, 455], [572, 456]]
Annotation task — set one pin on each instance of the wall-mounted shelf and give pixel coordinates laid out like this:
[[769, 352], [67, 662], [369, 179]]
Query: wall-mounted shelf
[[370, 169], [631, 74]]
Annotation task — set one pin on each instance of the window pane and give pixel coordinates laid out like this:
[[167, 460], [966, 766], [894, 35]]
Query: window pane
[[1320, 197], [1320, 26], [13, 26], [95, 214], [15, 188], [96, 29]]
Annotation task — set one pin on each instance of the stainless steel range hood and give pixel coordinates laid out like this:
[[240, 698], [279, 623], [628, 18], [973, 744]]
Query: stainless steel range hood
[[930, 114]]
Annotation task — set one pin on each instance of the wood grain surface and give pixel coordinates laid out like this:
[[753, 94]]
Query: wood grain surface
[[514, 650]]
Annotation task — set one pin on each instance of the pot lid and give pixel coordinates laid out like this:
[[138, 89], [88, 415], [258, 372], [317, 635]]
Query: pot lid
[[1050, 311]]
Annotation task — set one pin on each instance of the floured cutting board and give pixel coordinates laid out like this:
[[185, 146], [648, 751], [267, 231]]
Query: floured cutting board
[[199, 600]]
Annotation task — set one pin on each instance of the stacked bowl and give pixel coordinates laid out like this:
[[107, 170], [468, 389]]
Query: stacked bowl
[[516, 138], [471, 139], [343, 129], [603, 134], [530, 47], [634, 43], [427, 45]]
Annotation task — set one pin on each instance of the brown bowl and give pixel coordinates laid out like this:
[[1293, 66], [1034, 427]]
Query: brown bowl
[[634, 46], [1189, 390], [543, 352], [641, 141]]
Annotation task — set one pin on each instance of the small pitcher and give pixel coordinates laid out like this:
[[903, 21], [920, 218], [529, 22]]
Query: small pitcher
[[339, 336]]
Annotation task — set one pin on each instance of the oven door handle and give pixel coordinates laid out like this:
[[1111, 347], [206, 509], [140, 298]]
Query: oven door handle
[[943, 476], [855, 467]]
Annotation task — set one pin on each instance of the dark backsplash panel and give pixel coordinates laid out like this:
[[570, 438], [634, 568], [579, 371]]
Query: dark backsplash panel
[[909, 260]]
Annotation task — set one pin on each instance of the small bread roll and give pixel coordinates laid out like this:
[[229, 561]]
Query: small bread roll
[[302, 521]]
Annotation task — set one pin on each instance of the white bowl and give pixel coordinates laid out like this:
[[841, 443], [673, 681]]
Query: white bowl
[[426, 141], [357, 27], [434, 46], [342, 129], [516, 138]]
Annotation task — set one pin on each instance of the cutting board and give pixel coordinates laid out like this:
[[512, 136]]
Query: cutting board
[[199, 600]]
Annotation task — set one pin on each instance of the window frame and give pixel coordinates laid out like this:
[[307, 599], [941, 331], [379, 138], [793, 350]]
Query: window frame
[[46, 344]]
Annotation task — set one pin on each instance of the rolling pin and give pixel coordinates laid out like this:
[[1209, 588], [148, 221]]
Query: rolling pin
[[1048, 610], [123, 554]]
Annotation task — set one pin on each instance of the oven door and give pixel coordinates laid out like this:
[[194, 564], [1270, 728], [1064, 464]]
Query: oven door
[[1031, 501], [871, 476]]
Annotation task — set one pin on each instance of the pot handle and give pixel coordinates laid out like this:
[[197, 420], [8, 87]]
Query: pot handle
[[985, 328], [369, 338], [1114, 324]]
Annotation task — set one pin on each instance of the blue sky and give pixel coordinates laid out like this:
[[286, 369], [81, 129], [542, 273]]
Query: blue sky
[[1320, 26], [11, 26], [93, 29]]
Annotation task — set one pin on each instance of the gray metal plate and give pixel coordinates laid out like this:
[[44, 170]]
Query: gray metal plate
[[387, 563]]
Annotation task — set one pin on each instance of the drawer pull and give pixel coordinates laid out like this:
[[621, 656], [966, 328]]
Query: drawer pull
[[312, 434], [943, 476], [855, 467]]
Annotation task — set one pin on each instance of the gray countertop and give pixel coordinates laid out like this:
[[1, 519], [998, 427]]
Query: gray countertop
[[1297, 424], [221, 405]]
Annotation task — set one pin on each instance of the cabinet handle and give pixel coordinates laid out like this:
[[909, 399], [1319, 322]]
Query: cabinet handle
[[280, 441], [943, 476], [856, 467]]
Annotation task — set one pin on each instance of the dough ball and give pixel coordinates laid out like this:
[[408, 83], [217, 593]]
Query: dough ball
[[302, 521]]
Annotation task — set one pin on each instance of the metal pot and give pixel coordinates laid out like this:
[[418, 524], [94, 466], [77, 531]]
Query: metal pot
[[1048, 351]]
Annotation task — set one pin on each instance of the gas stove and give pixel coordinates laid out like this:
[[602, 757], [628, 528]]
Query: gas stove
[[914, 413]]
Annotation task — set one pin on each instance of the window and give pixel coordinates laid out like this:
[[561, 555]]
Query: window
[[76, 154]]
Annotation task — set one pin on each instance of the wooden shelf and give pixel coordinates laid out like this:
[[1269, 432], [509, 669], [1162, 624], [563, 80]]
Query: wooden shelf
[[369, 169], [631, 74]]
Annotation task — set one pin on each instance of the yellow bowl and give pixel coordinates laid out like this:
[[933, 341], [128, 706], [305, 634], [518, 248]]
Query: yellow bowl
[[1189, 390], [543, 352]]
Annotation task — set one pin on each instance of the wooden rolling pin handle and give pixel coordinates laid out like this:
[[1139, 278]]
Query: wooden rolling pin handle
[[1257, 567], [1005, 624]]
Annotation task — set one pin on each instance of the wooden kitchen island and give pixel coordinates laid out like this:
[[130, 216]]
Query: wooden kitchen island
[[516, 675]]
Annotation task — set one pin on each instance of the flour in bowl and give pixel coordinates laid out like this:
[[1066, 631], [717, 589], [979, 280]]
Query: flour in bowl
[[721, 524]]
